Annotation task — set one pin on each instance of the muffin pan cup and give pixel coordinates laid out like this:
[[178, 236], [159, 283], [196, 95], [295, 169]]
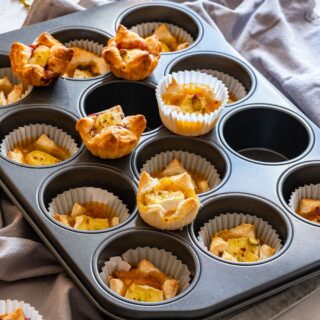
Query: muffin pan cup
[[262, 147]]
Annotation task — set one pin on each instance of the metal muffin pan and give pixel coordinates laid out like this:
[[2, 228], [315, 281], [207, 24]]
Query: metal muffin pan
[[263, 148]]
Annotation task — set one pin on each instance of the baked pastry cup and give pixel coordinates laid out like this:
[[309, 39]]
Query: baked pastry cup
[[110, 134], [40, 63], [130, 56], [190, 102], [18, 310], [169, 203]]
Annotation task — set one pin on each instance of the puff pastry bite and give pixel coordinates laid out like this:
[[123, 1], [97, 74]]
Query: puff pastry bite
[[168, 42], [144, 283], [40, 63], [191, 98], [18, 314], [168, 203], [88, 216], [175, 167], [240, 244], [9, 93], [130, 56], [43, 151], [85, 64], [309, 209], [110, 134]]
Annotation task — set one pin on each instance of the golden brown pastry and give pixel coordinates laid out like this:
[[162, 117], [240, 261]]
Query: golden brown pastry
[[88, 216], [175, 167], [309, 209], [40, 63], [18, 314], [145, 283], [168, 42], [44, 151], [109, 134], [85, 64], [191, 98], [240, 244], [169, 203], [130, 56], [9, 93]]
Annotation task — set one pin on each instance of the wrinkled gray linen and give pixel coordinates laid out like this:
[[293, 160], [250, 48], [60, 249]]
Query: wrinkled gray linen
[[282, 40]]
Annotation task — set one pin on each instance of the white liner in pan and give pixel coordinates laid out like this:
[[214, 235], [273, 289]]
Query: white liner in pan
[[165, 261], [190, 124], [311, 191], [234, 86], [146, 29], [33, 132], [9, 306], [264, 230], [63, 203], [190, 161], [88, 45], [26, 89]]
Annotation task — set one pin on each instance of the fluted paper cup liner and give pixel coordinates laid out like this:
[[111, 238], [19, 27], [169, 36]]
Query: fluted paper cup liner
[[9, 306], [146, 29], [88, 45], [26, 89], [311, 191], [264, 230], [190, 161], [63, 203], [165, 261], [31, 133], [235, 87], [190, 124]]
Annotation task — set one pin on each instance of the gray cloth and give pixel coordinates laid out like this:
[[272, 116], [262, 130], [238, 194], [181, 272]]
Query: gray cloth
[[281, 38]]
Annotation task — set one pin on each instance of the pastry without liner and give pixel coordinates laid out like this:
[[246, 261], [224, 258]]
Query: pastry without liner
[[85, 64], [9, 93], [144, 283], [309, 209], [40, 63], [168, 203], [130, 56], [110, 134], [240, 244]]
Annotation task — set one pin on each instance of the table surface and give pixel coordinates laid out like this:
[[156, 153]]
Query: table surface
[[12, 15]]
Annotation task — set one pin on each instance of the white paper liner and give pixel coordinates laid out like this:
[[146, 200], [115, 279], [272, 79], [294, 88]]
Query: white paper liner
[[234, 86], [9, 306], [15, 81], [264, 230], [63, 203], [190, 124], [165, 261], [190, 161], [146, 29], [311, 191], [88, 45], [34, 131]]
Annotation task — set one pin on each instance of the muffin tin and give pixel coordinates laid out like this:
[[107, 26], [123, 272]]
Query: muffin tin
[[263, 148]]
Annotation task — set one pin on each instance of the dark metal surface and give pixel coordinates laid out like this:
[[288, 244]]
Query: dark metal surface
[[263, 148]]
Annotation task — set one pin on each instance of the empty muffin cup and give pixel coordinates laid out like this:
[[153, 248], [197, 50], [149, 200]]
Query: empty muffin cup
[[236, 89], [165, 261], [146, 29], [264, 231], [27, 135], [25, 89], [186, 123], [63, 203], [191, 162], [9, 306]]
